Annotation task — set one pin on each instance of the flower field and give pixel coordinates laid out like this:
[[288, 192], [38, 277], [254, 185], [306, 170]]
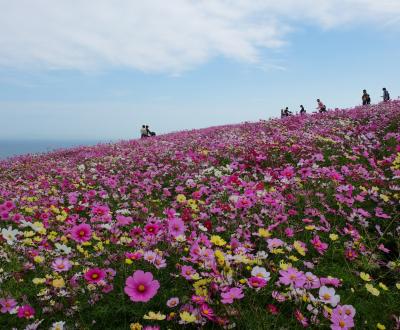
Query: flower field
[[280, 224]]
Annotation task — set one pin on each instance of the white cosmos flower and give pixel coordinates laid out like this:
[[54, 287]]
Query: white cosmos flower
[[327, 295], [260, 272], [10, 235]]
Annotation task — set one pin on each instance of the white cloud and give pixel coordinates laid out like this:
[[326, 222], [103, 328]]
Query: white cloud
[[164, 35]]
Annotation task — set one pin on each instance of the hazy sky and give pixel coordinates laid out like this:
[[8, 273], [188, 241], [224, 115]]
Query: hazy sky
[[73, 69]]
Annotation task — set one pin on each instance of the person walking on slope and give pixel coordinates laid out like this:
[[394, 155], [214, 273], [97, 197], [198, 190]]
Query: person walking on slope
[[302, 110], [321, 107], [366, 99], [386, 95]]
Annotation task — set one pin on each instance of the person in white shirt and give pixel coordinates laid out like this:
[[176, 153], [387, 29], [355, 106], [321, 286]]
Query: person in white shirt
[[143, 132]]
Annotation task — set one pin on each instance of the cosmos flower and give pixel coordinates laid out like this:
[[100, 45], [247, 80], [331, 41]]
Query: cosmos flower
[[61, 264], [141, 287], [81, 233], [94, 275]]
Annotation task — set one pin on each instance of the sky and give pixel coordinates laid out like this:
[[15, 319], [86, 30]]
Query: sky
[[99, 69]]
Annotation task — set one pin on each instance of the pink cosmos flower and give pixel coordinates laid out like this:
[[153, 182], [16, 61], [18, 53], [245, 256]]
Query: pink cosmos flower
[[319, 245], [312, 281], [26, 312], [229, 296], [94, 275], [7, 304], [292, 276], [301, 318], [141, 286], [207, 311], [257, 282], [327, 295], [61, 265], [81, 233], [173, 302], [274, 243], [345, 311], [198, 299], [151, 229], [123, 220], [341, 322], [176, 227], [187, 272]]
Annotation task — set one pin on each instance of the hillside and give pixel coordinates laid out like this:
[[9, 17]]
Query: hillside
[[279, 224]]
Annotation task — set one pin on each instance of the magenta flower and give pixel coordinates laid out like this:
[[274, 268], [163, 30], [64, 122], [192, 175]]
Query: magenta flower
[[207, 311], [292, 276], [7, 304], [176, 227], [187, 272], [320, 246], [26, 312], [141, 286], [61, 265], [257, 282], [81, 233], [341, 322], [229, 296], [94, 275]]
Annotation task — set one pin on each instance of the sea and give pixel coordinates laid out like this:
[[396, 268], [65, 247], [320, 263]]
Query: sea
[[10, 148]]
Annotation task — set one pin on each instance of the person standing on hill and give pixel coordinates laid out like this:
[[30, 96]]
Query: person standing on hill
[[321, 107], [143, 132], [366, 99], [302, 110], [386, 95]]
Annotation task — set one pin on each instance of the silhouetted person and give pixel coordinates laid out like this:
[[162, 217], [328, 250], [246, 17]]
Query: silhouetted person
[[149, 133], [143, 132], [386, 95], [287, 113], [321, 107], [366, 99], [302, 110]]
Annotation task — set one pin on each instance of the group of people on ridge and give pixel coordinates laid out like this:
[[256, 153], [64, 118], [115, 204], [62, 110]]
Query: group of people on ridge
[[366, 100], [145, 132]]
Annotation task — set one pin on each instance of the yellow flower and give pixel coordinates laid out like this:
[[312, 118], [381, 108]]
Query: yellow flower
[[128, 261], [181, 198], [398, 286], [310, 227], [299, 248], [370, 288], [135, 326], [154, 316], [365, 277], [380, 326], [187, 317], [383, 286], [293, 258], [58, 283], [217, 240], [384, 197], [38, 259], [264, 233], [37, 280], [333, 237], [283, 265]]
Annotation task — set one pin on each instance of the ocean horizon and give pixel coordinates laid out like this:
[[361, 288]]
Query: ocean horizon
[[11, 148]]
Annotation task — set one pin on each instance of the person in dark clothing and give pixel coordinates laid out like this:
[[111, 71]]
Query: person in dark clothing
[[321, 107], [287, 113], [386, 95], [143, 132], [366, 99], [149, 133], [302, 110]]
